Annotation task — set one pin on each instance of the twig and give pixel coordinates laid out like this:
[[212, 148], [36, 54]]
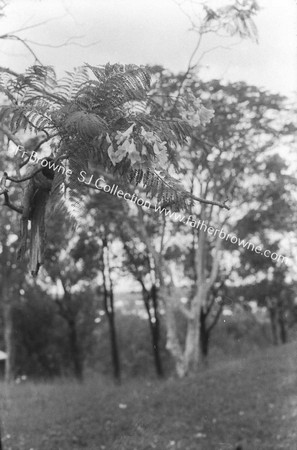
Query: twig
[[14, 37], [198, 199], [10, 205], [29, 27], [11, 136], [28, 177], [7, 70], [64, 44], [3, 187], [210, 202]]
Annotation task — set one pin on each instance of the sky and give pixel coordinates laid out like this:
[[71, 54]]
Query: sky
[[151, 32]]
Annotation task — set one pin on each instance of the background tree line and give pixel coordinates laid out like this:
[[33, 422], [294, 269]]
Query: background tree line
[[186, 278]]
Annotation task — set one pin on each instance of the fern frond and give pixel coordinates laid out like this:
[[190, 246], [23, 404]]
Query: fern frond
[[68, 87]]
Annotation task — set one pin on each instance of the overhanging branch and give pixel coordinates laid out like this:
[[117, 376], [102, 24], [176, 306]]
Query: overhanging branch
[[10, 205]]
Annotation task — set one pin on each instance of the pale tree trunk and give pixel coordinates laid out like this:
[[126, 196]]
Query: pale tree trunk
[[166, 295], [203, 286], [191, 351], [192, 345], [186, 358], [172, 342]]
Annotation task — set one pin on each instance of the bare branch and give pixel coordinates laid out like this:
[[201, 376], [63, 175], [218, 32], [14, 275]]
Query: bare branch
[[26, 178], [7, 70], [210, 202], [23, 41], [3, 187], [10, 135], [29, 27], [223, 47], [65, 44], [10, 205], [198, 199]]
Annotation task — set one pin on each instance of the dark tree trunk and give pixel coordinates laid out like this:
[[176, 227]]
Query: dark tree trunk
[[282, 325], [209, 317], [109, 309], [75, 352], [154, 324], [69, 316], [273, 323], [204, 334], [113, 339]]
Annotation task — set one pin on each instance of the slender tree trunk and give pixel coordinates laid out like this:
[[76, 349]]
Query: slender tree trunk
[[203, 286], [204, 334], [115, 351], [154, 325], [156, 333], [75, 351], [172, 342], [273, 323], [109, 309], [8, 334], [9, 344], [70, 318], [114, 344], [156, 351], [282, 325]]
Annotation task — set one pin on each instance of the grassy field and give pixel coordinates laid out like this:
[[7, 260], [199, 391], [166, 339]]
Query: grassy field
[[250, 403]]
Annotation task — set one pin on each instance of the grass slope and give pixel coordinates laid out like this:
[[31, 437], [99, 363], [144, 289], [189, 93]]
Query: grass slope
[[250, 402]]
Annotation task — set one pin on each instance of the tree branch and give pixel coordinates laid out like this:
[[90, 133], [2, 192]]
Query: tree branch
[[66, 43], [3, 187], [194, 197], [17, 38], [26, 178], [10, 205], [10, 135], [11, 72]]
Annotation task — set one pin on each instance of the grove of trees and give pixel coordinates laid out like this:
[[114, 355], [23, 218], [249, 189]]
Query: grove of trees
[[179, 150]]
